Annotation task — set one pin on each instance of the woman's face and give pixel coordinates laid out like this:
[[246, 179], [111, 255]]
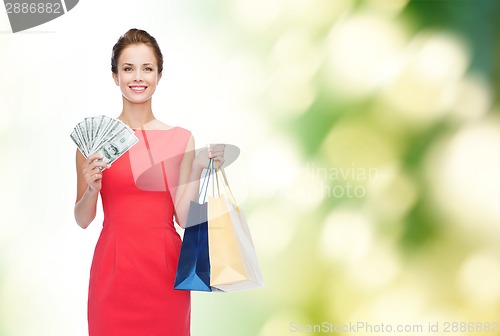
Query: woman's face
[[137, 73]]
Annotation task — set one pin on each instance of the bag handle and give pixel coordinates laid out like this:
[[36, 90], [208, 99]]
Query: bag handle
[[206, 181], [216, 181], [227, 187]]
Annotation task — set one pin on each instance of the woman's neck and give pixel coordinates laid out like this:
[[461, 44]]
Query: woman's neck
[[136, 115]]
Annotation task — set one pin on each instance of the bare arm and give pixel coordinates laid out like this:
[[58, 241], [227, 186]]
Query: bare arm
[[88, 186], [190, 171], [189, 184]]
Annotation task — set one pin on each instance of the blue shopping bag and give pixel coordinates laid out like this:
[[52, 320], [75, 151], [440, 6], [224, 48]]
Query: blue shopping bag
[[193, 269]]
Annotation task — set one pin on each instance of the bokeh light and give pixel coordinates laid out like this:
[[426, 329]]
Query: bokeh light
[[479, 278], [466, 180], [347, 236], [358, 49]]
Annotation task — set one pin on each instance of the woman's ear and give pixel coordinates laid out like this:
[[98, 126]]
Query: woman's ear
[[159, 77], [115, 77]]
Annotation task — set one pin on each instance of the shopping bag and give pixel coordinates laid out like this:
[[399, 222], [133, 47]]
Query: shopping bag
[[234, 263], [226, 261], [254, 279], [193, 269]]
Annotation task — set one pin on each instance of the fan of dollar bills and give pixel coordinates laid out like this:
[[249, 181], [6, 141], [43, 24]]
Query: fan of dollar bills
[[103, 134]]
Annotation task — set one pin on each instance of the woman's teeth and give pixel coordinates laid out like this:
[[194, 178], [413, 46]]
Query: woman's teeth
[[138, 88]]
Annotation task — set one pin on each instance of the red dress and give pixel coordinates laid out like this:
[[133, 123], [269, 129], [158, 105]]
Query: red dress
[[131, 290]]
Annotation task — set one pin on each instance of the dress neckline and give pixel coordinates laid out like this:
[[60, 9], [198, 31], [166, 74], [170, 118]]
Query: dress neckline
[[164, 129]]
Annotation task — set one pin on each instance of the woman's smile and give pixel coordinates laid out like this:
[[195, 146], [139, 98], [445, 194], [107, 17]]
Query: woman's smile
[[138, 88]]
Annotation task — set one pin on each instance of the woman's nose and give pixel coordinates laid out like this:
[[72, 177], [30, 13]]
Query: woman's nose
[[137, 76]]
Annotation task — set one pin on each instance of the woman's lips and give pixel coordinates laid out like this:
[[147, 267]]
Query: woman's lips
[[138, 89]]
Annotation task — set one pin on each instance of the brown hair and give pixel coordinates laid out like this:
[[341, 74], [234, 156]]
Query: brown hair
[[131, 37]]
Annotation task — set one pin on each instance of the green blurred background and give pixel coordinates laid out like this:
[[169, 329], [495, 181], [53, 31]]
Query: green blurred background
[[370, 165]]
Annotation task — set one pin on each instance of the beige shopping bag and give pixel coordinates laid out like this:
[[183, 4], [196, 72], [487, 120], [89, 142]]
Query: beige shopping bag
[[245, 274], [226, 261], [254, 279]]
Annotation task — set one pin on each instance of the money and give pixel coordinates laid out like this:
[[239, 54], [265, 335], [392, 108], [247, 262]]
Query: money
[[105, 135]]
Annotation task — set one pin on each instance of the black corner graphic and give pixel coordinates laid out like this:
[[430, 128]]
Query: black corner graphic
[[26, 14]]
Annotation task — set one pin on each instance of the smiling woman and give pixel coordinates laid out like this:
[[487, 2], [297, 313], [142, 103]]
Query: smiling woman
[[137, 80], [137, 66], [131, 289]]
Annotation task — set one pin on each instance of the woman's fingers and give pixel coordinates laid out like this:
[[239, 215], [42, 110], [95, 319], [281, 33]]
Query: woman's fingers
[[95, 160], [95, 156], [92, 168], [216, 152], [96, 176], [218, 162], [91, 175]]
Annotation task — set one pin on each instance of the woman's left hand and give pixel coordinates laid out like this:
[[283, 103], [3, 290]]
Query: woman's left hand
[[215, 152]]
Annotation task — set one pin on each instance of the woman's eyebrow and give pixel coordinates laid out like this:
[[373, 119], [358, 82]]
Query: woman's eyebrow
[[130, 64]]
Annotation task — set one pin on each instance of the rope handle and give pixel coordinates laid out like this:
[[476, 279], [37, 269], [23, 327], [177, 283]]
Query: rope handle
[[227, 187], [206, 181]]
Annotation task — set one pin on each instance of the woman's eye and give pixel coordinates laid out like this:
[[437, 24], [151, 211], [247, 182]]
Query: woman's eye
[[128, 69], [148, 69]]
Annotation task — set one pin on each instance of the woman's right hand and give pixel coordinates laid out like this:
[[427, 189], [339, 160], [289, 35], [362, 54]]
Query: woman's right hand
[[91, 171]]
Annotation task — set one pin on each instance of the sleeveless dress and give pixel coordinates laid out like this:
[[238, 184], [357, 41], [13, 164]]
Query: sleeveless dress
[[131, 289]]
